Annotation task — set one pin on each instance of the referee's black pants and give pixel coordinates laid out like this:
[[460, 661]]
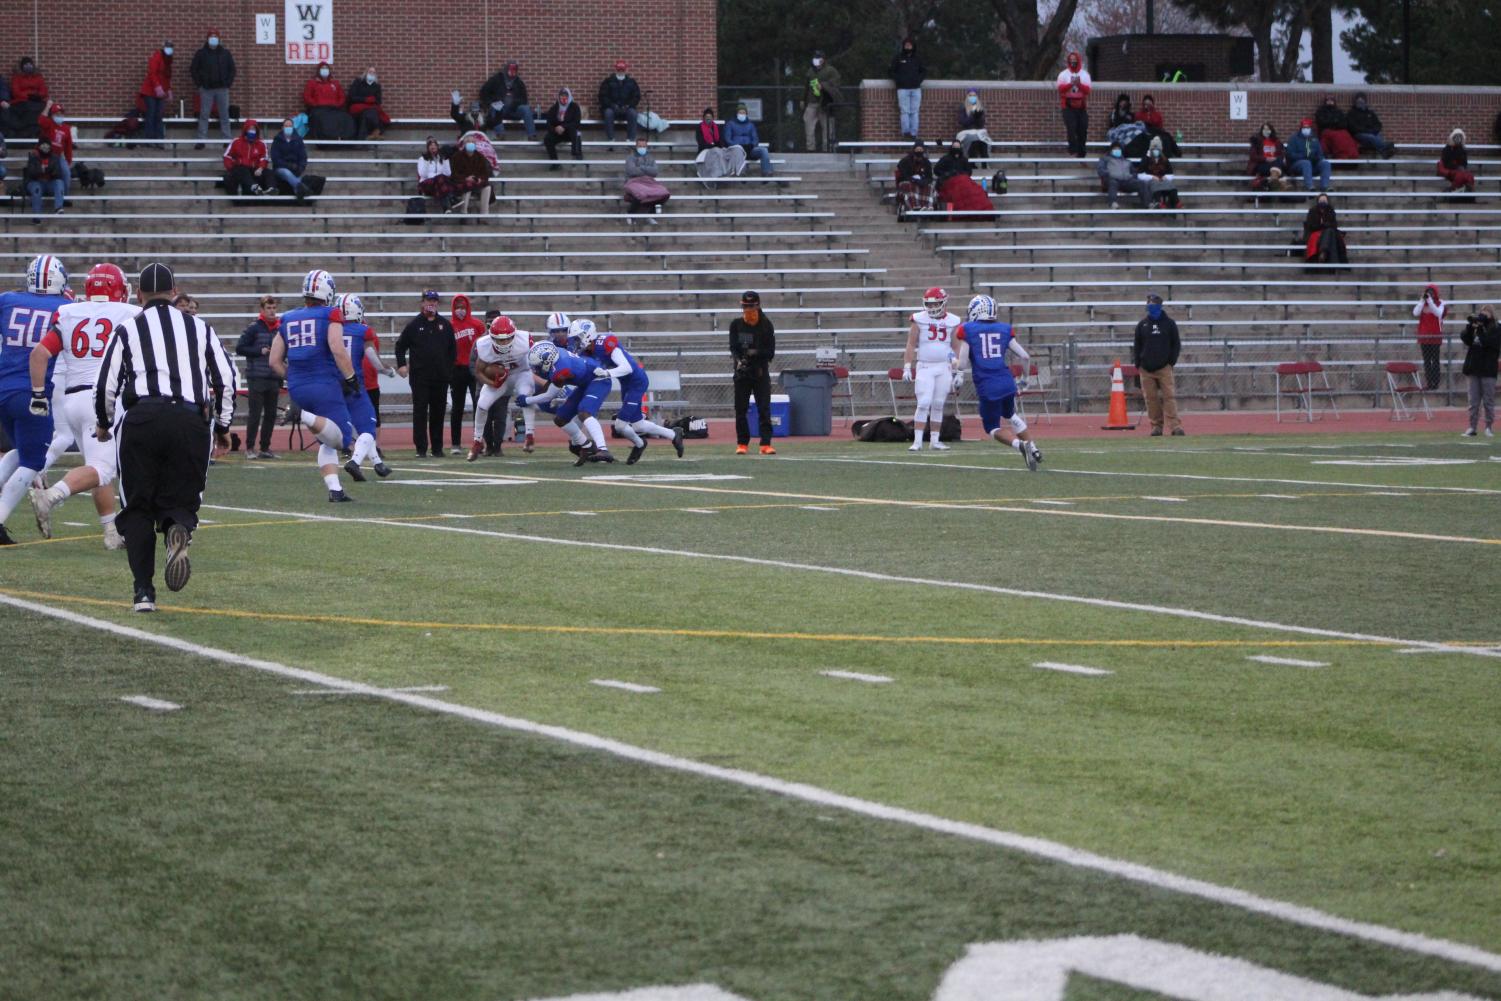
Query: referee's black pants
[[757, 381], [164, 452], [429, 395]]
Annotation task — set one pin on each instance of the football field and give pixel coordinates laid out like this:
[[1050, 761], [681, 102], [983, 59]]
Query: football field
[[1200, 718]]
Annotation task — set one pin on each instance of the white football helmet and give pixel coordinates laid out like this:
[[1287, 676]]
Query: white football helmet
[[982, 307], [46, 275], [586, 332], [350, 306], [556, 323], [935, 300], [318, 285], [542, 357]]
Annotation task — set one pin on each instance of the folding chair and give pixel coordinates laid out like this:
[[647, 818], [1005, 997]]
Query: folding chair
[[909, 394], [842, 375], [1305, 379], [1403, 382], [1037, 388]]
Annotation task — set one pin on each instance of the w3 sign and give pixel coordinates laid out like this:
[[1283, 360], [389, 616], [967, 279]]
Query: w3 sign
[[1040, 971]]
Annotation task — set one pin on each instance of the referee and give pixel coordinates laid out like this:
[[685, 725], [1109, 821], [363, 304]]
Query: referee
[[172, 381]]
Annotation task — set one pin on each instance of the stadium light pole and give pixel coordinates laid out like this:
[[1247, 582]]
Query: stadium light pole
[[1407, 41]]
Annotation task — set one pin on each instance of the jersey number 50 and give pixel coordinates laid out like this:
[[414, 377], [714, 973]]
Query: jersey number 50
[[26, 326]]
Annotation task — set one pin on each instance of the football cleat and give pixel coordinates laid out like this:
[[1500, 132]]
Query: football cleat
[[635, 455], [5, 539], [602, 455], [178, 568], [940, 446], [42, 508], [916, 446], [575, 447], [476, 450], [530, 444], [768, 450], [677, 442], [381, 469], [339, 497], [1032, 458], [355, 473], [585, 454], [741, 449]]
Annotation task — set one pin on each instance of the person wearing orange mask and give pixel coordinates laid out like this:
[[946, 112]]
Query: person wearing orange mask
[[753, 344]]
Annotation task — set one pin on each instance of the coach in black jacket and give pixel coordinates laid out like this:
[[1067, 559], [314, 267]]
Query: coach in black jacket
[[753, 344], [1155, 353], [425, 354]]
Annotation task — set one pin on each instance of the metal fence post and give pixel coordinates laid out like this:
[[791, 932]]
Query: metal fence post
[[1071, 361]]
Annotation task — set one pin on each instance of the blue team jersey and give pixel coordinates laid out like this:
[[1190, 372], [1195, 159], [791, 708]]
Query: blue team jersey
[[988, 341], [356, 336], [605, 347], [25, 318], [305, 332], [572, 370]]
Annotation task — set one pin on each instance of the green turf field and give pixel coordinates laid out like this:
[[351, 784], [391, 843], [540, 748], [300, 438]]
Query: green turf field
[[259, 842]]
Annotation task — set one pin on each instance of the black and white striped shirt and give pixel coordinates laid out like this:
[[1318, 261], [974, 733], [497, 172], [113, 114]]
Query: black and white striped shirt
[[166, 354]]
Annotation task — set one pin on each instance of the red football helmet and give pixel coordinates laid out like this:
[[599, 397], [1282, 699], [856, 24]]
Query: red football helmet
[[935, 300], [106, 282], [502, 330]]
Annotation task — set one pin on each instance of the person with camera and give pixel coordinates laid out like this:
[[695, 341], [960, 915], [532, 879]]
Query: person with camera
[[753, 344], [1430, 311], [1482, 340]]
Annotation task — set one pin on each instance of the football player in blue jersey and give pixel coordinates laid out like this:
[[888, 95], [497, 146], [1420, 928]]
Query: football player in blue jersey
[[360, 341], [615, 362], [984, 341], [310, 350], [564, 368], [26, 408]]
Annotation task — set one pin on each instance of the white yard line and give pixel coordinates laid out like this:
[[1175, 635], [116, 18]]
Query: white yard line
[[1055, 503], [1166, 500], [1128, 606], [1309, 917], [1263, 658], [625, 686], [1049, 665], [340, 691], [870, 679], [697, 510], [816, 507], [147, 702]]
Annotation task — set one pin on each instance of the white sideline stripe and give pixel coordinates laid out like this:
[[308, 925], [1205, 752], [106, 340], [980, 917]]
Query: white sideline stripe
[[1457, 952], [872, 679], [817, 507], [584, 514], [625, 686], [1128, 606], [1049, 665], [1165, 500], [1386, 493], [337, 691], [1280, 496], [1286, 661], [147, 702], [1056, 503], [698, 510]]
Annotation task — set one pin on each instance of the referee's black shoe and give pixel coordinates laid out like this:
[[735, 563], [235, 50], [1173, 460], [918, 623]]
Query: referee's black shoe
[[355, 473], [339, 497], [5, 539], [178, 568]]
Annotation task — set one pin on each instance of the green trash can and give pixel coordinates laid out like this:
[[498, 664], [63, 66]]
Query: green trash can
[[811, 394]]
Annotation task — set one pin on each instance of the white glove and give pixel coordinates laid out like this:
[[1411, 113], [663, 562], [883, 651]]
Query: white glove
[[958, 380], [455, 96], [389, 372], [601, 373], [1021, 383], [907, 373], [497, 105]]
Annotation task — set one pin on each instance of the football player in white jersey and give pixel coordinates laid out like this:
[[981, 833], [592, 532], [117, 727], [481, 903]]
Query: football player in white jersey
[[930, 342], [77, 340], [503, 373]]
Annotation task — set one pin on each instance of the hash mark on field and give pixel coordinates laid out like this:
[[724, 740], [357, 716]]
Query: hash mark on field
[[1286, 661], [872, 679], [1166, 500], [340, 691], [584, 514], [1279, 496], [816, 507], [147, 702], [698, 510], [1386, 493], [1057, 503], [625, 686], [1048, 665]]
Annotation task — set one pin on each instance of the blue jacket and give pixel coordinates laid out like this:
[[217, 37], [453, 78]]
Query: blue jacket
[[1301, 147], [741, 133], [289, 153]]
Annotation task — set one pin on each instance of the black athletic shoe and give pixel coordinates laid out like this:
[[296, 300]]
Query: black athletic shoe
[[355, 472], [145, 600], [5, 539], [339, 497], [602, 455], [422, 455], [575, 448], [635, 455], [585, 454], [677, 442], [178, 568], [382, 470]]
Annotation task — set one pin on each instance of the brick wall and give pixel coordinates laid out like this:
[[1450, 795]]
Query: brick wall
[[1136, 57], [1016, 111], [94, 60]]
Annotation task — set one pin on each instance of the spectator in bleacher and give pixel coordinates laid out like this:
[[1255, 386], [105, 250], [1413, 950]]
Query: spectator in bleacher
[[324, 99], [470, 171], [1482, 340], [1366, 128], [619, 94], [1334, 131], [1122, 113], [820, 95], [741, 131], [28, 99], [156, 91], [914, 180], [1454, 163], [1323, 241], [1155, 172], [186, 303], [370, 118], [504, 94], [1267, 162], [424, 356], [5, 122], [562, 124], [643, 192], [52, 125], [1117, 174], [1430, 311], [1152, 119], [247, 168], [1073, 95], [1305, 155], [264, 384], [43, 174], [213, 73], [289, 161], [955, 187], [716, 157], [908, 73], [1155, 352], [435, 175], [461, 383], [469, 118], [971, 134]]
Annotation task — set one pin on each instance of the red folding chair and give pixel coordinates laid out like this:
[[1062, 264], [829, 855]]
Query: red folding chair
[[842, 375], [1037, 389], [1304, 380], [1403, 382], [909, 394]]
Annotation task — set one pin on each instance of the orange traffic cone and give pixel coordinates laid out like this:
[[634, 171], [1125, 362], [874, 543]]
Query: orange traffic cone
[[1118, 421]]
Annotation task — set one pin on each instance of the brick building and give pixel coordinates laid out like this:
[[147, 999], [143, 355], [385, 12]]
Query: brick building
[[94, 58], [1198, 58]]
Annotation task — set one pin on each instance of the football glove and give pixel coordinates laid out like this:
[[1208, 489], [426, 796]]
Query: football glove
[[1021, 383], [907, 373], [39, 405], [601, 373], [958, 380], [521, 399], [351, 384]]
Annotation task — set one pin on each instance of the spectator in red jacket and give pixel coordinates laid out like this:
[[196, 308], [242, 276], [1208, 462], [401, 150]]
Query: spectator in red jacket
[[1073, 94], [247, 168], [52, 125], [1454, 163], [1430, 312], [1267, 162], [322, 90], [28, 98], [1334, 131], [1152, 119], [325, 101], [156, 91], [461, 387]]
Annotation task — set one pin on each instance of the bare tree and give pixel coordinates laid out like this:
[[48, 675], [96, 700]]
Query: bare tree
[[1034, 45]]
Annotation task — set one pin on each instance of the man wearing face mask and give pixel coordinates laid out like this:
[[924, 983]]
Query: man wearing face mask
[[1365, 126], [1155, 353], [562, 125], [471, 172], [53, 126], [28, 97], [213, 73], [753, 344], [741, 131], [505, 95], [1117, 175], [370, 118], [427, 342], [618, 96], [914, 181], [908, 73], [42, 175], [1073, 94], [820, 95], [1305, 155], [247, 169], [156, 91], [289, 160]]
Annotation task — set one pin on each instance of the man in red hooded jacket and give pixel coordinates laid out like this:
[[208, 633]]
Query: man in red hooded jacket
[[466, 327], [52, 125], [1073, 94], [156, 91], [247, 169]]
